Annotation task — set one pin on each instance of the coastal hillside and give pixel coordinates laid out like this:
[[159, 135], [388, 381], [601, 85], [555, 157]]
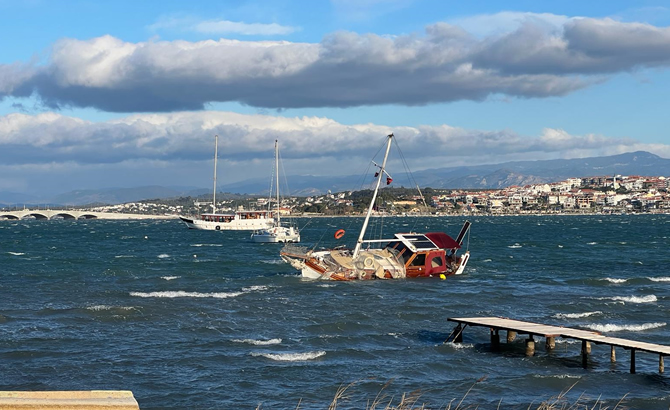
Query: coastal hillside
[[494, 176], [534, 172]]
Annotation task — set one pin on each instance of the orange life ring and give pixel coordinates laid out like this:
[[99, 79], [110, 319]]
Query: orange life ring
[[339, 233]]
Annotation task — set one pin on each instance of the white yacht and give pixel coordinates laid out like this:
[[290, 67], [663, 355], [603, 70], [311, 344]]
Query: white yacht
[[278, 232]]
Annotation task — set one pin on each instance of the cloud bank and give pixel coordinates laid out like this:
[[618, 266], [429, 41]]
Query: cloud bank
[[537, 56], [52, 153], [188, 136]]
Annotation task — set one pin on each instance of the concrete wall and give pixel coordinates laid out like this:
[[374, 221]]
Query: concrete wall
[[52, 400]]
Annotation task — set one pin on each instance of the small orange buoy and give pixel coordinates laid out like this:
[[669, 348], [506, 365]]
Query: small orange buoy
[[339, 233]]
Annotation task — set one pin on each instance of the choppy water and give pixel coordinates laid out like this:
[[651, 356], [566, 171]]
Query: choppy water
[[193, 319]]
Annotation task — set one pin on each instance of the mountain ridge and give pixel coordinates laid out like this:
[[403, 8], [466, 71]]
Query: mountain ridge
[[491, 176]]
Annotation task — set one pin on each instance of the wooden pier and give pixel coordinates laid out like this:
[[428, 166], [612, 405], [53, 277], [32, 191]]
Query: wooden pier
[[514, 327]]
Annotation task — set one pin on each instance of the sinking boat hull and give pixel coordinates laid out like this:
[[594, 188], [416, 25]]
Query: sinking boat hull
[[369, 264], [463, 263], [406, 255]]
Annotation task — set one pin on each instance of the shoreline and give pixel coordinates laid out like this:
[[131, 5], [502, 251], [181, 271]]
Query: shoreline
[[125, 216]]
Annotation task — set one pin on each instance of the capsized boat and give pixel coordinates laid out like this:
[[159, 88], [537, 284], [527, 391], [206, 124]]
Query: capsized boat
[[406, 255], [230, 221], [278, 232]]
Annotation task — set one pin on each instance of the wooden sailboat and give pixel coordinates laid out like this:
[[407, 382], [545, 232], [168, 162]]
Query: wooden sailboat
[[406, 255], [278, 232], [231, 221]]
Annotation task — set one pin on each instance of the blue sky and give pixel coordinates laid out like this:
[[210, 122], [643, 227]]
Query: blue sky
[[97, 94]]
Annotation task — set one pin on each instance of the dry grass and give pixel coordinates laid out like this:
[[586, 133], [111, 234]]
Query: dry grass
[[410, 401]]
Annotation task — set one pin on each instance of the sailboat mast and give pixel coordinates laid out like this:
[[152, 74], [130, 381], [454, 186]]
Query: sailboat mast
[[277, 176], [216, 155], [380, 175]]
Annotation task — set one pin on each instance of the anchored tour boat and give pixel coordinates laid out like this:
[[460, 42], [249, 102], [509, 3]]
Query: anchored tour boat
[[231, 221], [406, 255]]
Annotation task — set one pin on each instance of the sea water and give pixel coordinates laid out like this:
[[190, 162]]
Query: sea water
[[206, 320]]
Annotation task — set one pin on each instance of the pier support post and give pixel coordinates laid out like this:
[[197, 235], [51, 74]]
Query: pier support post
[[530, 346], [661, 365], [612, 354], [459, 334], [495, 340], [586, 349], [511, 335], [550, 343], [632, 361]]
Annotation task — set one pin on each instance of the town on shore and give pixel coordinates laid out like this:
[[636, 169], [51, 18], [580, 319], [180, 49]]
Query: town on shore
[[601, 194]]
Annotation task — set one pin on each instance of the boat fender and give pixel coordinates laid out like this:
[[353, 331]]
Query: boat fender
[[218, 227], [339, 234], [368, 262]]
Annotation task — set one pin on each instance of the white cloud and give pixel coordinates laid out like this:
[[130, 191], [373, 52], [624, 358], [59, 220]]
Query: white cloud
[[344, 70], [14, 76], [247, 29], [485, 25], [54, 153], [220, 27], [187, 136]]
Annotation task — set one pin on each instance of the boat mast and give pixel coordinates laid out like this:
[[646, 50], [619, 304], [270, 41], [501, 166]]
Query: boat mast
[[277, 175], [380, 175], [216, 154]]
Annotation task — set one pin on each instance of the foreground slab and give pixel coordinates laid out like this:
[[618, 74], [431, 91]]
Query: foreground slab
[[52, 400]]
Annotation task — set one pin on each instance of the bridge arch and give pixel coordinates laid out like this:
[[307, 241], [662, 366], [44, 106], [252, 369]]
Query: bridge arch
[[88, 216], [9, 216], [65, 215], [37, 215]]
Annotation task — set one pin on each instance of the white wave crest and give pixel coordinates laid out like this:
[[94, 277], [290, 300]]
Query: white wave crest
[[515, 246], [636, 299], [124, 256], [291, 357], [592, 243], [182, 294], [163, 256], [568, 341], [576, 315], [557, 376], [660, 279], [206, 244], [615, 280], [259, 342], [107, 307], [255, 288], [631, 328], [16, 253], [170, 277], [460, 345]]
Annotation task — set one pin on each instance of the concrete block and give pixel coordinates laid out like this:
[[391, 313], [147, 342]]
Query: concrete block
[[61, 400]]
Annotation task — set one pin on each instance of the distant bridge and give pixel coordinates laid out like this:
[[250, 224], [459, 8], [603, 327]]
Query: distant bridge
[[74, 214]]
